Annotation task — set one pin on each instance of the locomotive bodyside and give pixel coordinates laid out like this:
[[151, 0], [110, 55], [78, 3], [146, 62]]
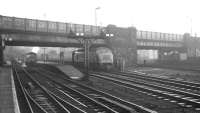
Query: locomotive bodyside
[[105, 58], [99, 58]]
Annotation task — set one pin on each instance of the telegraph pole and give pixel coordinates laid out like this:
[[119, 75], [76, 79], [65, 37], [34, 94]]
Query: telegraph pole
[[191, 26]]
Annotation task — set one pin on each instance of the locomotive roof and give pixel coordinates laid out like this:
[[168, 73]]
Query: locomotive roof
[[32, 53]]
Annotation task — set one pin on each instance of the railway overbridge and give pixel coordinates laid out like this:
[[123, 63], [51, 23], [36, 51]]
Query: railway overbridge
[[124, 41]]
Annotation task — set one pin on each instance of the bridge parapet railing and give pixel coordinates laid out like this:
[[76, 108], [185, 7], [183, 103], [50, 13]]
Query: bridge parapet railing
[[148, 35], [11, 24], [159, 44]]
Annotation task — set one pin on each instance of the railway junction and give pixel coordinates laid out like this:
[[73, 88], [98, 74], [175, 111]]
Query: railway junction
[[105, 72]]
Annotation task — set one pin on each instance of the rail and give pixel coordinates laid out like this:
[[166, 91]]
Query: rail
[[107, 96]]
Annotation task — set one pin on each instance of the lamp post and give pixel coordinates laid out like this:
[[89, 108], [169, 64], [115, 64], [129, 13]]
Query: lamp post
[[191, 26], [95, 14], [189, 19]]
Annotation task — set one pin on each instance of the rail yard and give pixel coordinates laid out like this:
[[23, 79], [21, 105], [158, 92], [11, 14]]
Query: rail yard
[[136, 58], [45, 88]]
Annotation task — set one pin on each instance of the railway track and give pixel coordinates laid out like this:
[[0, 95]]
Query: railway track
[[39, 99], [158, 89], [175, 84], [191, 68], [26, 105], [116, 104], [92, 105]]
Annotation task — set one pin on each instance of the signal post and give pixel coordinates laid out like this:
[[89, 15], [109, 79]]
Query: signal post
[[87, 44]]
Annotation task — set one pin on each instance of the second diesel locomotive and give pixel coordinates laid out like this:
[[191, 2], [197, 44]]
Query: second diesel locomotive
[[99, 58], [30, 58]]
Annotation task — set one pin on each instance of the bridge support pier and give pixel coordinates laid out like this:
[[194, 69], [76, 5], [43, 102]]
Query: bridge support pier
[[124, 44], [1, 50]]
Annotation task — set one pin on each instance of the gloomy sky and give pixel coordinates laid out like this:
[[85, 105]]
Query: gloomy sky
[[170, 16]]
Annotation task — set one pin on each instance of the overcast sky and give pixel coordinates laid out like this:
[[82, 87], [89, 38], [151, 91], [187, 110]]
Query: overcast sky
[[170, 16]]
